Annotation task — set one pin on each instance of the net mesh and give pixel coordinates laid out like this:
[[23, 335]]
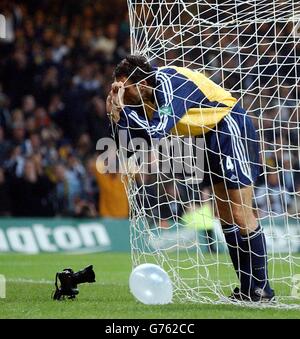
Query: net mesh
[[250, 48]]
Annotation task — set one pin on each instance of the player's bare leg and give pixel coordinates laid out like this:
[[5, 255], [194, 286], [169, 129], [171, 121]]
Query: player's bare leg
[[235, 207], [245, 239]]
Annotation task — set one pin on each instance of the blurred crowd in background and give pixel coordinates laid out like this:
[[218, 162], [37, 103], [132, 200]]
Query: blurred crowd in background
[[55, 72], [55, 69]]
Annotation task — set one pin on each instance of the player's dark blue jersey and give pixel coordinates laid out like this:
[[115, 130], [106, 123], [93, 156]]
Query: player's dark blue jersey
[[185, 103]]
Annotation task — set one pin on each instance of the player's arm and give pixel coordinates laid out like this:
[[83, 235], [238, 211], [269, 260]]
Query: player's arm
[[176, 97], [138, 126], [127, 118]]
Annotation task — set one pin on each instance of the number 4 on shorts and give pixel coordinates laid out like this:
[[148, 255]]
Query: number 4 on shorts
[[229, 164]]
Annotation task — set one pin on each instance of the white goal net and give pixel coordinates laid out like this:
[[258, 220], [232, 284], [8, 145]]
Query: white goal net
[[252, 49]]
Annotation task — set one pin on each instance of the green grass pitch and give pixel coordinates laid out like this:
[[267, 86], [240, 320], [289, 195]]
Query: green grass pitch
[[30, 282]]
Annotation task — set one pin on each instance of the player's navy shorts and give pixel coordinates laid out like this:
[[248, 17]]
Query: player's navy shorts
[[232, 151]]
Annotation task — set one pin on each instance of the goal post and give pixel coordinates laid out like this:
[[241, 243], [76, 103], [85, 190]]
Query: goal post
[[252, 49]]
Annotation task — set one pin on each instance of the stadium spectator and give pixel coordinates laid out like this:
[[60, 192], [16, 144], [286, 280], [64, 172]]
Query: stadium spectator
[[5, 203], [4, 146], [113, 202], [31, 193], [68, 189], [269, 196]]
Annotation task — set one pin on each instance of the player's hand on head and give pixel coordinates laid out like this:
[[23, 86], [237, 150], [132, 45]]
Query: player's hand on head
[[116, 86], [118, 91], [115, 101]]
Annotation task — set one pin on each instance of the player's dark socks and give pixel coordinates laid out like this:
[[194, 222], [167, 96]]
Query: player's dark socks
[[255, 246], [239, 258]]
